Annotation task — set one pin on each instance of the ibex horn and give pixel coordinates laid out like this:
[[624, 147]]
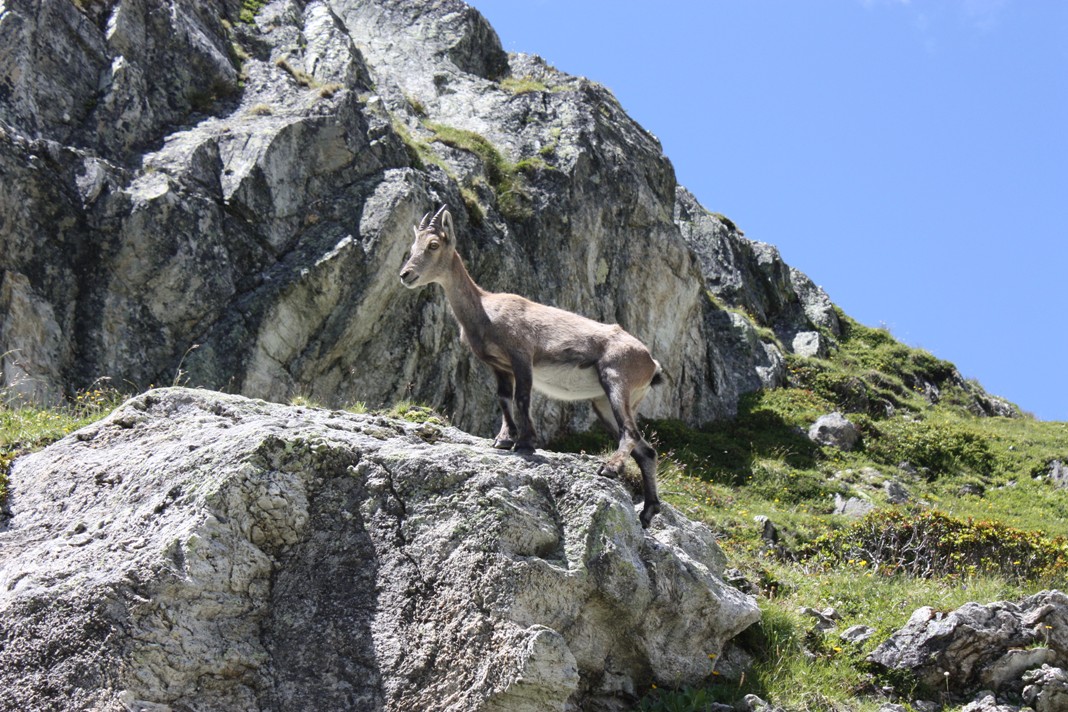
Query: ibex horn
[[436, 222], [425, 222]]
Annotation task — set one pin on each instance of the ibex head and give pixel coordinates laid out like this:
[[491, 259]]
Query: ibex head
[[432, 251]]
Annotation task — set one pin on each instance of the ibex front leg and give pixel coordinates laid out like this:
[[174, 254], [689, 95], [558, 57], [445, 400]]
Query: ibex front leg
[[505, 393], [523, 373]]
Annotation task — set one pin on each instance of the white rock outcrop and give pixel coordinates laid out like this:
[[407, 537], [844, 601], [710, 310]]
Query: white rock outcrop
[[204, 551]]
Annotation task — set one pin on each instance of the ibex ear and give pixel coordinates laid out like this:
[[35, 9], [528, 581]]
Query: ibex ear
[[447, 228]]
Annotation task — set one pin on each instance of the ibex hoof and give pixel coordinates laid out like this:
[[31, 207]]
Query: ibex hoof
[[611, 470], [648, 512], [523, 449], [504, 443]]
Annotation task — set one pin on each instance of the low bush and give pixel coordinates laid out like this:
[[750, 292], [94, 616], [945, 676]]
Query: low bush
[[933, 544], [941, 446]]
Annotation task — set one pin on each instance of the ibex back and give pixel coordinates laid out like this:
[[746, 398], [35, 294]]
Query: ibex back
[[530, 345]]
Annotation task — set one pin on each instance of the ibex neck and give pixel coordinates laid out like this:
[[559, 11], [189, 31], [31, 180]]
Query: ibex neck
[[465, 297]]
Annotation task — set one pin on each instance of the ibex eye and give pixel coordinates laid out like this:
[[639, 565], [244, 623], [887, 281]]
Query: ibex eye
[[433, 245]]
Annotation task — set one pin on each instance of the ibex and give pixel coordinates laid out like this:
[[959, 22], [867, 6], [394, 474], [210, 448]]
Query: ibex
[[530, 345]]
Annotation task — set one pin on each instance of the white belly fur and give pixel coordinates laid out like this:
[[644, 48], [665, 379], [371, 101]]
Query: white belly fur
[[565, 382]]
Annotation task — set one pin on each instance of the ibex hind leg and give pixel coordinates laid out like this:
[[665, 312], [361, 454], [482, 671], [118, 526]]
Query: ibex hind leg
[[603, 409], [616, 411], [645, 456]]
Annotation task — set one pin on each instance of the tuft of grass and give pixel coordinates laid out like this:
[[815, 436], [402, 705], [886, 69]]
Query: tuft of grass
[[531, 164], [25, 428], [419, 153], [416, 413], [523, 85], [249, 10], [418, 107], [328, 91], [505, 177], [299, 75]]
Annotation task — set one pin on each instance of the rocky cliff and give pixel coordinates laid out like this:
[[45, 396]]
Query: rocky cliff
[[192, 193], [203, 551]]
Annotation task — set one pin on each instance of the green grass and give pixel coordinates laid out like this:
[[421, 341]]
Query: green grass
[[982, 524], [26, 427]]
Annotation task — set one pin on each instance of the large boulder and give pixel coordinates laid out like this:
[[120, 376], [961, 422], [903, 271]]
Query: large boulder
[[204, 551]]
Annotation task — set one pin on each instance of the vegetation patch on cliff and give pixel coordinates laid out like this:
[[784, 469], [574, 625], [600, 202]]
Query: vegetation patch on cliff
[[506, 178]]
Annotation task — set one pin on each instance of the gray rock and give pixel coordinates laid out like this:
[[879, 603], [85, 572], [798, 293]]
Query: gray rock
[[1046, 689], [826, 620], [896, 493], [926, 706], [1057, 473], [1008, 670], [852, 506], [768, 531], [857, 633], [815, 302], [980, 647], [199, 550], [834, 430], [754, 703], [987, 702], [809, 344]]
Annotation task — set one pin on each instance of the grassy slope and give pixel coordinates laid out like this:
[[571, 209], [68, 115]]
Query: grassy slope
[[996, 525], [994, 528]]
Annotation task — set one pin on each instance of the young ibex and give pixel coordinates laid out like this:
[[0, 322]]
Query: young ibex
[[530, 345]]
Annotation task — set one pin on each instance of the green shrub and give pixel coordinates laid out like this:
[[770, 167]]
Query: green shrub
[[941, 447], [933, 544]]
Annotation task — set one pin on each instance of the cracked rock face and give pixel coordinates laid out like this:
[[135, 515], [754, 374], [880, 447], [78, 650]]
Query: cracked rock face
[[192, 198], [203, 551]]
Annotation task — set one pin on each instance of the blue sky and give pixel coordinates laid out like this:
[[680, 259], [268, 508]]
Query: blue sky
[[910, 157]]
